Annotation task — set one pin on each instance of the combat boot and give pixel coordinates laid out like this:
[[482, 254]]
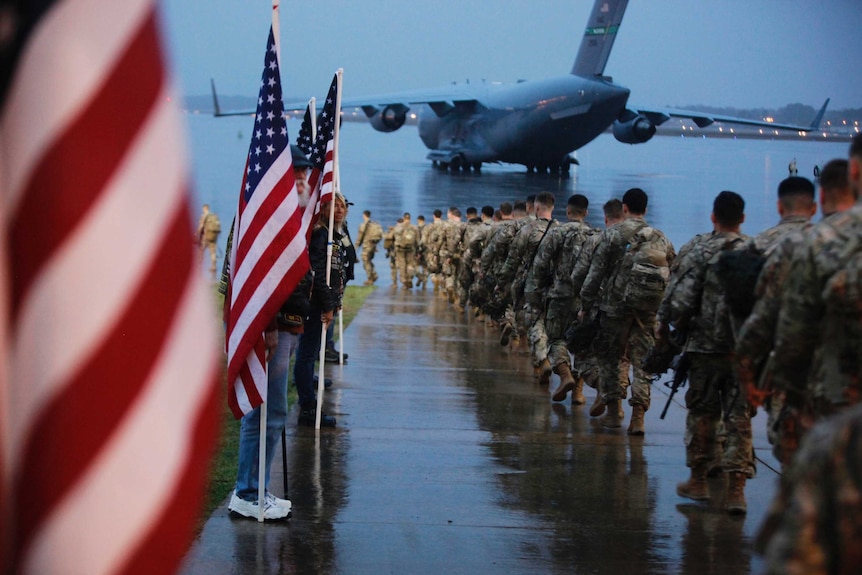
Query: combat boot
[[636, 425], [598, 406], [735, 503], [614, 417], [578, 392], [695, 488], [545, 372], [567, 382]]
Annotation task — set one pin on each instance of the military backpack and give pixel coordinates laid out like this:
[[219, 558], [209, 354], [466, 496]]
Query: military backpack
[[646, 258], [373, 233]]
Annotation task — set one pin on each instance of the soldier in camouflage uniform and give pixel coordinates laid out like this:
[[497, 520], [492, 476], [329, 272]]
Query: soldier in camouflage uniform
[[586, 362], [494, 256], [475, 238], [514, 272], [482, 290], [814, 525], [626, 322], [389, 246], [549, 290], [818, 344], [694, 303], [406, 244], [450, 252], [430, 244], [370, 234], [421, 263], [465, 269], [754, 342]]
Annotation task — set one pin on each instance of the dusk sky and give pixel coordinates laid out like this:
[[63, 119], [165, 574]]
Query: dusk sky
[[742, 53]]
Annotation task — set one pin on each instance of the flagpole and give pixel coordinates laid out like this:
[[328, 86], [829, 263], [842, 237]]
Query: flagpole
[[336, 180], [335, 190], [261, 454], [312, 107]]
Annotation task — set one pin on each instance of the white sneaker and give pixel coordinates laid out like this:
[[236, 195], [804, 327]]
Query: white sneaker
[[283, 503], [249, 509]]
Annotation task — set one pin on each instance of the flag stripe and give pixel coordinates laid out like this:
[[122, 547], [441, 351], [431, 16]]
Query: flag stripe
[[85, 256], [72, 48], [182, 501], [102, 392], [73, 159], [274, 262]]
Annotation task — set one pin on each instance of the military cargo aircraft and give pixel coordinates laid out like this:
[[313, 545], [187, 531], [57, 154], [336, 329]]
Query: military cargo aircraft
[[534, 123]]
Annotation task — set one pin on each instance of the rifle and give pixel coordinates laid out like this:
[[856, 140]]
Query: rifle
[[680, 375]]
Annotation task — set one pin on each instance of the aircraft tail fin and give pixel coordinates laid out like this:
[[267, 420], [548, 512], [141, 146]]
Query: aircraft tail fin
[[216, 107], [818, 119], [599, 38]]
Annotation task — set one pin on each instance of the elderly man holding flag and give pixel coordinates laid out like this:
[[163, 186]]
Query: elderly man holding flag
[[268, 258]]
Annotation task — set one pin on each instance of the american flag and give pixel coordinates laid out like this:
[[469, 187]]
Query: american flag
[[304, 139], [108, 396], [269, 253], [323, 151]]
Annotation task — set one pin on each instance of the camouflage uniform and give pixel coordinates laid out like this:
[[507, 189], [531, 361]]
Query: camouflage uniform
[[493, 260], [694, 302], [450, 255], [756, 336], [421, 261], [514, 272], [587, 363], [817, 354], [473, 230], [368, 243], [209, 228], [624, 332], [814, 525], [549, 287], [389, 238], [433, 237], [406, 244], [476, 294]]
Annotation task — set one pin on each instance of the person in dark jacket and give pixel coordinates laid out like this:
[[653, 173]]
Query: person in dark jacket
[[325, 302]]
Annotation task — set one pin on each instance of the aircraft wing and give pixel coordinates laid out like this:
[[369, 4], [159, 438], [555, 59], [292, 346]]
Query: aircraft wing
[[658, 116], [440, 99]]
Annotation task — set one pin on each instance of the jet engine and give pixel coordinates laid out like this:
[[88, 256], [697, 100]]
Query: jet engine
[[389, 118], [633, 128]]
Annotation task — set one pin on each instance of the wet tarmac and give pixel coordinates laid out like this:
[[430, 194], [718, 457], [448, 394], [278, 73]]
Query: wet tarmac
[[447, 458]]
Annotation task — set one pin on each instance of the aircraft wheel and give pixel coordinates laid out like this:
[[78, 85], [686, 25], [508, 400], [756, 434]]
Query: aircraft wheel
[[477, 166], [444, 166]]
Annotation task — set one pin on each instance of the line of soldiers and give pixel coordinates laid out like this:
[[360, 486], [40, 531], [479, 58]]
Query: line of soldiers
[[535, 278], [769, 320]]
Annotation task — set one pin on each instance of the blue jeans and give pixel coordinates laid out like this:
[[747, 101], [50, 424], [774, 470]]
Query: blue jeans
[[276, 416], [307, 353]]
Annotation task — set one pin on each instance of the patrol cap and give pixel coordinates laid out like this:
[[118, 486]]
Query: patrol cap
[[299, 158]]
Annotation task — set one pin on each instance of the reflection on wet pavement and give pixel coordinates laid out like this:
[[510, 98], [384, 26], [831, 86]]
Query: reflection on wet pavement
[[448, 458]]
